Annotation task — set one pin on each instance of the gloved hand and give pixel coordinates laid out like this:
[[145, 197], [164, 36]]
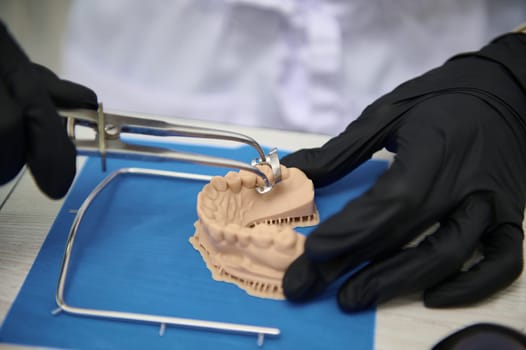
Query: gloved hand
[[30, 129], [459, 133]]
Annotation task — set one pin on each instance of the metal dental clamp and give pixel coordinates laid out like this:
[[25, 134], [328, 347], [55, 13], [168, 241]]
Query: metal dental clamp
[[108, 143]]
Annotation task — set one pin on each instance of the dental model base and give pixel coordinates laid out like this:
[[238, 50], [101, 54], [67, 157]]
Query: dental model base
[[247, 238]]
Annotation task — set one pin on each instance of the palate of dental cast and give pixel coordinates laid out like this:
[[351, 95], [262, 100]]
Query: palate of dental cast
[[246, 237]]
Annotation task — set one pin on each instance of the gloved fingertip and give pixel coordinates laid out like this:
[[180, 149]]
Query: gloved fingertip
[[297, 159], [435, 302], [64, 93], [12, 138], [499, 268], [301, 282], [354, 297], [54, 175], [437, 298], [78, 96], [60, 188], [311, 162]]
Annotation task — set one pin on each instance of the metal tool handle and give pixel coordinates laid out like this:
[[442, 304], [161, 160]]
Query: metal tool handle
[[162, 128], [107, 142], [114, 124]]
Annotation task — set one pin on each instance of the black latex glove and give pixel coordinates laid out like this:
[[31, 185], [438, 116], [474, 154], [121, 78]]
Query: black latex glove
[[30, 129], [459, 133]]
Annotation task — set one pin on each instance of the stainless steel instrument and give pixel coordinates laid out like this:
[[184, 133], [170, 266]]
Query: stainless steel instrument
[[108, 142]]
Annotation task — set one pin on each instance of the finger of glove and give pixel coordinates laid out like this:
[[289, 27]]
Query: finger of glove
[[65, 94], [414, 269], [12, 55], [343, 153], [305, 278], [501, 265], [392, 212], [12, 138], [302, 281], [50, 154]]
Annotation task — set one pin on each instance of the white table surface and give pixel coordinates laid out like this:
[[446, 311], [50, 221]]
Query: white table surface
[[27, 215]]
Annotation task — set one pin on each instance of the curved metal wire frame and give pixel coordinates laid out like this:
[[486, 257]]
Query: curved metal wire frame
[[138, 317]]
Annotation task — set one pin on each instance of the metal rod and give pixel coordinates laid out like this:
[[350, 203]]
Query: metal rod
[[129, 316], [161, 128], [118, 149]]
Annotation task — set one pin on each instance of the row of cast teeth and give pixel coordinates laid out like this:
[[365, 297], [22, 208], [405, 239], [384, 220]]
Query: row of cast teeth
[[284, 240], [236, 180], [287, 220], [262, 287], [254, 285]]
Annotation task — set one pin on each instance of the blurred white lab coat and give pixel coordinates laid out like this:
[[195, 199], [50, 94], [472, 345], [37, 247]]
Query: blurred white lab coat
[[307, 65]]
